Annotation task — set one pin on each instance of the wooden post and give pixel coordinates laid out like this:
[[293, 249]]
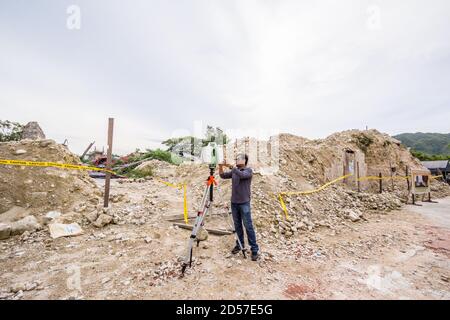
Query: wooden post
[[108, 161], [343, 173], [357, 176], [381, 182], [407, 178]]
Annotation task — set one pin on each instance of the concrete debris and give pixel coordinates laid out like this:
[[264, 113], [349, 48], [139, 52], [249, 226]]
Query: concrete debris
[[51, 216], [353, 216], [91, 216], [5, 231], [20, 152], [58, 230], [103, 220], [25, 286], [28, 223]]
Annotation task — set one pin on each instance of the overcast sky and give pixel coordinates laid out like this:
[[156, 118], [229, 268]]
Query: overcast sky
[[305, 67]]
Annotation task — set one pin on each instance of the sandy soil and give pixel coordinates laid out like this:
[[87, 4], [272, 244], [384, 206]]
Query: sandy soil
[[404, 254]]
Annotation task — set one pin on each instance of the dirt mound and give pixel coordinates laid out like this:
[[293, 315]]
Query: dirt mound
[[305, 164], [42, 189]]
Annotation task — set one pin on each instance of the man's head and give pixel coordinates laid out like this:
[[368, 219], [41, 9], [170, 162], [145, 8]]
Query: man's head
[[241, 160]]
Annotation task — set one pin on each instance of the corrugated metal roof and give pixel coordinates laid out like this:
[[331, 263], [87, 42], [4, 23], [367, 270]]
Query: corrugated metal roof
[[438, 164]]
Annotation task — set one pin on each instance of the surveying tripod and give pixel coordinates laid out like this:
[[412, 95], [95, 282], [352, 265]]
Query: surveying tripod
[[205, 207]]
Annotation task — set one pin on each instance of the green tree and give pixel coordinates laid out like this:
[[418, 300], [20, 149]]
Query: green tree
[[10, 131]]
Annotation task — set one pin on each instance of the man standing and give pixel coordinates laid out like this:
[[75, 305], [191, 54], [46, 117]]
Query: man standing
[[241, 179]]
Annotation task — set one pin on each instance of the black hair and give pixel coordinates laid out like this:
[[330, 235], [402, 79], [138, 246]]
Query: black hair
[[245, 157]]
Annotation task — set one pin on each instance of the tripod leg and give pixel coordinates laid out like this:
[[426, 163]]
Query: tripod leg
[[198, 223]]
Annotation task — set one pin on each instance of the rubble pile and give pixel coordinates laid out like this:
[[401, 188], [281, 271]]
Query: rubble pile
[[32, 197], [307, 164], [42, 188], [27, 193]]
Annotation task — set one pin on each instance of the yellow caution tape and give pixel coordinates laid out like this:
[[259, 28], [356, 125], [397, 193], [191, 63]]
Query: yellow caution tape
[[283, 206], [179, 187], [281, 194], [176, 186], [318, 189], [381, 178], [185, 204], [51, 164]]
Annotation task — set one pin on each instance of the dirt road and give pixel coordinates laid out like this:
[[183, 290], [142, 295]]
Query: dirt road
[[404, 254]]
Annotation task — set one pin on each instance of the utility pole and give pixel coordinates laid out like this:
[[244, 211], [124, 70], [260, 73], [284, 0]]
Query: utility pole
[[108, 161]]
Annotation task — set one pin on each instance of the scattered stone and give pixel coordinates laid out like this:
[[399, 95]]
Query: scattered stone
[[353, 216], [5, 231], [148, 240], [91, 216], [20, 152], [102, 220]]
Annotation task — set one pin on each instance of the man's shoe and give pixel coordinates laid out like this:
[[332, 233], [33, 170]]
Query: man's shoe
[[255, 256], [236, 250]]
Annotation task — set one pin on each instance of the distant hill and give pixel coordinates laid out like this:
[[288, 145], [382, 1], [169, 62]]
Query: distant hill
[[429, 143]]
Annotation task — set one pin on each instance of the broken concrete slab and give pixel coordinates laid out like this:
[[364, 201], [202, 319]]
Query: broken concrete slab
[[28, 223], [58, 230]]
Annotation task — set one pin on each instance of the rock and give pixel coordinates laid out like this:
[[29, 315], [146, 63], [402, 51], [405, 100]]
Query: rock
[[5, 231], [80, 207], [16, 287], [353, 216], [20, 151], [46, 143], [102, 220], [50, 216], [148, 240], [202, 234], [29, 223], [32, 131], [91, 216]]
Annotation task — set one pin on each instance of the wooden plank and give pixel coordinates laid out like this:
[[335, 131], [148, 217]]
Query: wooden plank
[[175, 217], [108, 162], [218, 232]]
